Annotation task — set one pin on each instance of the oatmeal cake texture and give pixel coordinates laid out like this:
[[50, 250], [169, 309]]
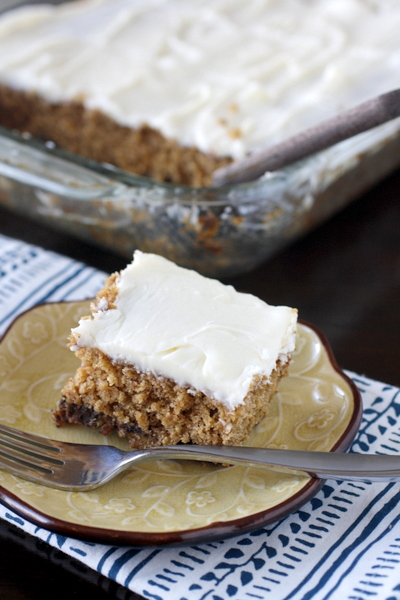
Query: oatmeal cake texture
[[174, 89], [169, 356]]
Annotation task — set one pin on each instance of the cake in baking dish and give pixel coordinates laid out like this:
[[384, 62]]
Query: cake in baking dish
[[169, 356], [173, 89]]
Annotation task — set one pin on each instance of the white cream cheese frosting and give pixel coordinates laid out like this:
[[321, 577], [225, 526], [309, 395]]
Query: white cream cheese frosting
[[203, 334], [227, 76]]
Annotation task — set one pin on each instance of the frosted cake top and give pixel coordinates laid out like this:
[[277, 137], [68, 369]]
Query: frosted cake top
[[203, 334]]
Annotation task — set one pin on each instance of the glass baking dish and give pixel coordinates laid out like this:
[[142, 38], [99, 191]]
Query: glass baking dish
[[218, 231]]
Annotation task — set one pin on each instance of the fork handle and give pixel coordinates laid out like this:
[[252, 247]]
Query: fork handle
[[323, 465]]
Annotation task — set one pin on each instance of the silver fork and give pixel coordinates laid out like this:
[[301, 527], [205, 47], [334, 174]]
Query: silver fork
[[67, 466]]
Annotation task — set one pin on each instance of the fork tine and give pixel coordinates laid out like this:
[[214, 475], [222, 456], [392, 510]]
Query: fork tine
[[24, 469], [59, 465], [26, 438], [27, 464], [28, 455]]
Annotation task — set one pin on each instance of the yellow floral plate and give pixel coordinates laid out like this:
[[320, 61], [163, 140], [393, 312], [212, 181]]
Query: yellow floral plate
[[166, 501]]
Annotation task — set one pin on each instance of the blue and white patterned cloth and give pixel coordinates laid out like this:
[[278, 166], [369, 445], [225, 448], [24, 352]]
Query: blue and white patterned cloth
[[344, 543]]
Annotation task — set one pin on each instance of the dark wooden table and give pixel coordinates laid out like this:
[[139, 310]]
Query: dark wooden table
[[344, 277]]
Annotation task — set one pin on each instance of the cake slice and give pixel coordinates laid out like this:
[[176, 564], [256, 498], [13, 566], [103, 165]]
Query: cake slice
[[169, 356]]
